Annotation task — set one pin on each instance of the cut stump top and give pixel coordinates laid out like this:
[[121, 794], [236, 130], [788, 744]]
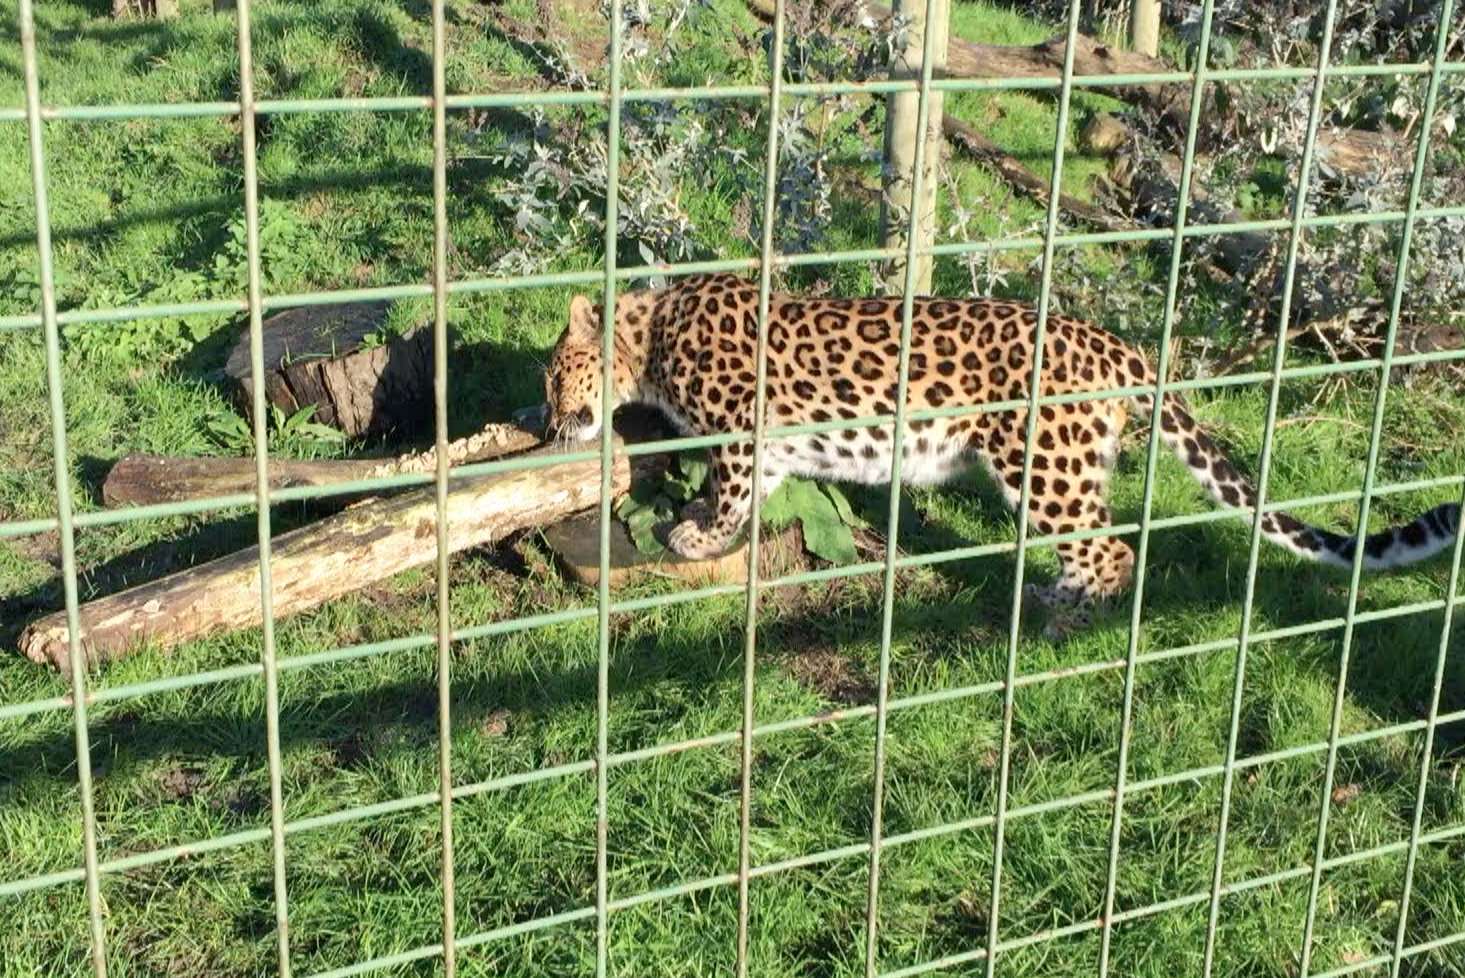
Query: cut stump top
[[317, 355]]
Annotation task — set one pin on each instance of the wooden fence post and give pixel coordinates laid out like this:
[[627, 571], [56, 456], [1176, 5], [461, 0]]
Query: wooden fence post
[[901, 121], [1144, 27]]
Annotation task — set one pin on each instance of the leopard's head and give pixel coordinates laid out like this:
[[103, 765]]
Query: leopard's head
[[573, 383]]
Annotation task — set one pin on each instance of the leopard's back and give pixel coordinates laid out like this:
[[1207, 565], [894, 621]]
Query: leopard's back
[[837, 360]]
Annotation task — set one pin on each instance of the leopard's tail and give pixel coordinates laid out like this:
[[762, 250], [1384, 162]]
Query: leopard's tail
[[1397, 546]]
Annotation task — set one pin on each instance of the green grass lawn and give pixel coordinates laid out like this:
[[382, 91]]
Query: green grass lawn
[[150, 211]]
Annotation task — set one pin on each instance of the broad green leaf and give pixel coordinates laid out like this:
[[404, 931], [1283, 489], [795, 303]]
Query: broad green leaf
[[779, 510], [694, 469], [642, 528], [825, 534], [841, 505]]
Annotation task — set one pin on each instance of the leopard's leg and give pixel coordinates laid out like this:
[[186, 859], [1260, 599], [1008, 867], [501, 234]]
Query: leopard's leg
[[709, 526], [1070, 479]]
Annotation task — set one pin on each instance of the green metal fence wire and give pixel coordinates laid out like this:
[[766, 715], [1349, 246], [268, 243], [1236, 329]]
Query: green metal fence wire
[[255, 304], [1375, 438], [1152, 451], [755, 511], [440, 425], [67, 531], [268, 663], [1294, 244]]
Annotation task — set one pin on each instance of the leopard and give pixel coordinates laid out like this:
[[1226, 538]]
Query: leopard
[[690, 350]]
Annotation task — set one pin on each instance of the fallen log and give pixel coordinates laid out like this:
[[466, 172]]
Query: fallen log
[[322, 561], [1350, 152], [137, 480]]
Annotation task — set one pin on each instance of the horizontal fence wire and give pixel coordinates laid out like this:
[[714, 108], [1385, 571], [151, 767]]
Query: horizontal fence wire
[[406, 643], [474, 285], [314, 823], [531, 99], [126, 514], [255, 304]]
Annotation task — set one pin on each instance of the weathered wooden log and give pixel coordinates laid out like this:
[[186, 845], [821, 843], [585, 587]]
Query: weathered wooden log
[[323, 356], [322, 561], [137, 480], [1350, 152]]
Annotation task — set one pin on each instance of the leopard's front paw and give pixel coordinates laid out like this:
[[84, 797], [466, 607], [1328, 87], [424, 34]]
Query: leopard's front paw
[[691, 537], [687, 539], [1065, 623]]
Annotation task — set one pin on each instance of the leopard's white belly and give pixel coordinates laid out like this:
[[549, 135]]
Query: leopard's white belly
[[866, 458]]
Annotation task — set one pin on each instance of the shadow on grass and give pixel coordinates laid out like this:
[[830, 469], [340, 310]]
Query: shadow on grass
[[344, 721]]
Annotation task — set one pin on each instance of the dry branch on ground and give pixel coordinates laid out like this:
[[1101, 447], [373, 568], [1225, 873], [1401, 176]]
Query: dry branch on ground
[[143, 479]]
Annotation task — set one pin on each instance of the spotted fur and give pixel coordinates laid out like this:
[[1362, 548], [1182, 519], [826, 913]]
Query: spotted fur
[[690, 349]]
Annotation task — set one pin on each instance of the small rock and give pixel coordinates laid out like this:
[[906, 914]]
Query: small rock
[[1102, 135], [576, 542], [496, 724]]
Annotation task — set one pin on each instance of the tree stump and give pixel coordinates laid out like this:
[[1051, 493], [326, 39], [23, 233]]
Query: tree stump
[[321, 355]]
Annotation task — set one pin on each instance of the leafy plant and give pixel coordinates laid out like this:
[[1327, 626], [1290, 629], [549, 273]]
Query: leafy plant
[[284, 251], [293, 434], [821, 510]]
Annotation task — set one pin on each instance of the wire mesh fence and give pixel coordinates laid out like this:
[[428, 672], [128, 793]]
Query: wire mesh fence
[[986, 953]]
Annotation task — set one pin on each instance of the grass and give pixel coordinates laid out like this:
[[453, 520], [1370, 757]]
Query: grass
[[149, 211]]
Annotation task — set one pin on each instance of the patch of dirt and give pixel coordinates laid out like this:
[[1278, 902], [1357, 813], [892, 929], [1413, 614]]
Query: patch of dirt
[[566, 41], [181, 783], [242, 799], [43, 547], [587, 44], [351, 751], [832, 675]]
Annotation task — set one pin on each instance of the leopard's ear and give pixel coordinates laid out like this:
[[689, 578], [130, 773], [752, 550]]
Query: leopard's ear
[[584, 320]]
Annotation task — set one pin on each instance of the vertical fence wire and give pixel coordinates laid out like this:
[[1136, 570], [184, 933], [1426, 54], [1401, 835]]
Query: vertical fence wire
[[607, 406], [268, 662], [1397, 952], [1152, 452], [897, 443], [1299, 210], [61, 464], [440, 451], [760, 407], [1370, 472], [1024, 495], [247, 116], [1437, 686]]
